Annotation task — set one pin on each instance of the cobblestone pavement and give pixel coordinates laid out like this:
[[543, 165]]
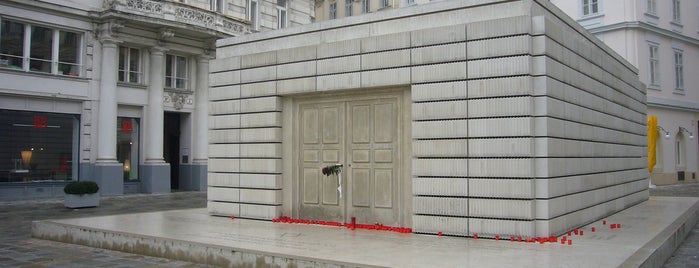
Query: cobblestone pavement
[[18, 249], [686, 255]]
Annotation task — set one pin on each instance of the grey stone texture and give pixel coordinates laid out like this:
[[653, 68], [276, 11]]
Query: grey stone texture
[[522, 122]]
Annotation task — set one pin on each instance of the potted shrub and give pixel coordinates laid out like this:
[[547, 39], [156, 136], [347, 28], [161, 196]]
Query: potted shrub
[[81, 194]]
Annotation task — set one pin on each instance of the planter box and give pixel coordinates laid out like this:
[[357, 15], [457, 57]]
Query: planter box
[[81, 201]]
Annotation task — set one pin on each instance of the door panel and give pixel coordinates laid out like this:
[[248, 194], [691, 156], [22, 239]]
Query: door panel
[[321, 145], [363, 135]]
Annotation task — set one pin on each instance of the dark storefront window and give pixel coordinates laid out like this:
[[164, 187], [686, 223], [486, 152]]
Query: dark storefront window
[[127, 146], [38, 146]]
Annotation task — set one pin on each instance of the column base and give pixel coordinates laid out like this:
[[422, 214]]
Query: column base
[[193, 177], [155, 178], [109, 176]]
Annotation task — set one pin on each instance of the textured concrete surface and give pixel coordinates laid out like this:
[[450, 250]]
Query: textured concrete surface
[[646, 239], [18, 249]]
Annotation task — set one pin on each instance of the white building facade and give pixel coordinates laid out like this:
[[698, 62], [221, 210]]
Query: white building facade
[[114, 91], [661, 38]]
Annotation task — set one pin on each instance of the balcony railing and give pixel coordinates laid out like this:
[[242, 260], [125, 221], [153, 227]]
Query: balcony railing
[[174, 11]]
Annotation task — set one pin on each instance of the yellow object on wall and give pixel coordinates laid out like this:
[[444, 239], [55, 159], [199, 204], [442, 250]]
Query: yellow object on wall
[[652, 140]]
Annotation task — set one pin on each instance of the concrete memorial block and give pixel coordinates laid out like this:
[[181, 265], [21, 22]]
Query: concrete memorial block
[[464, 117]]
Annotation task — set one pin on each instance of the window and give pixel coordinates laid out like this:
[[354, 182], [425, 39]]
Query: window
[[253, 14], [590, 7], [679, 70], [333, 11], [348, 8], [282, 19], [385, 3], [653, 70], [410, 2], [366, 5], [38, 146], [676, 17], [129, 65], [217, 5], [176, 72], [39, 49], [652, 7], [127, 146]]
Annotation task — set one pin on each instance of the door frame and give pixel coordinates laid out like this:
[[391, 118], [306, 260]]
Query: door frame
[[290, 181]]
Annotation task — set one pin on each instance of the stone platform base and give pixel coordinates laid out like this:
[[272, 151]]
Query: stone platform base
[[648, 235]]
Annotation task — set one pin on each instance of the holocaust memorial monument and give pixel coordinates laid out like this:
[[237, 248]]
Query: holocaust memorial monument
[[465, 117]]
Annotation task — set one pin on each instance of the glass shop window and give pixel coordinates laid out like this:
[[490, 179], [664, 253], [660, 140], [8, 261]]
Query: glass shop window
[[127, 146], [38, 146]]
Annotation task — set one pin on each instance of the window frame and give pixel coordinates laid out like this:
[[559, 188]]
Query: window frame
[[366, 6], [676, 11], [652, 7], [252, 12], [348, 7], [282, 14], [588, 8], [217, 5], [653, 64], [53, 63], [385, 3], [678, 60], [332, 11], [172, 77], [127, 66]]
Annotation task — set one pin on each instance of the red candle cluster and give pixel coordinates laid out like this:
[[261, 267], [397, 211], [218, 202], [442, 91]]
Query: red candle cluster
[[349, 225]]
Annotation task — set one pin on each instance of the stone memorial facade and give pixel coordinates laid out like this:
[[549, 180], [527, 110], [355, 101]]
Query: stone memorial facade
[[464, 117]]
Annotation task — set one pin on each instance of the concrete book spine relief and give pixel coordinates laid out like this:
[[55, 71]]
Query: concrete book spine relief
[[461, 117]]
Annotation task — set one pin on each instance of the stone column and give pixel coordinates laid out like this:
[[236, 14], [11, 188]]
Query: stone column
[[108, 173], [200, 146], [155, 176], [154, 111]]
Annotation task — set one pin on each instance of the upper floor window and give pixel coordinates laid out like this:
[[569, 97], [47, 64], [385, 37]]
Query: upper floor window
[[590, 7], [129, 65], [679, 70], [676, 11], [652, 7], [385, 3], [654, 65], [333, 11], [410, 2], [34, 48], [348, 8], [217, 5], [175, 72], [253, 14], [282, 19], [366, 6]]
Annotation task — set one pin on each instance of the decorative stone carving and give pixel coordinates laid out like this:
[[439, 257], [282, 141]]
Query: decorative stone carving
[[228, 25], [145, 6], [178, 99], [108, 30], [193, 15]]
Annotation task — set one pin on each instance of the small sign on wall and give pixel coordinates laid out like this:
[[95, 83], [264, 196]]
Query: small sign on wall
[[185, 155]]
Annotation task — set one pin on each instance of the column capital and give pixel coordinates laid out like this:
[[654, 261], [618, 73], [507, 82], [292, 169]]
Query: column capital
[[204, 58], [108, 32], [157, 50]]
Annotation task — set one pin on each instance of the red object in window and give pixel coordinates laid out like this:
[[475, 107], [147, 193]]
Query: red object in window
[[63, 167], [40, 121], [126, 126]]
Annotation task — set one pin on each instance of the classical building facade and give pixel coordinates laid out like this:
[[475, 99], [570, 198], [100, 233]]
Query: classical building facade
[[660, 38], [114, 91], [462, 117]]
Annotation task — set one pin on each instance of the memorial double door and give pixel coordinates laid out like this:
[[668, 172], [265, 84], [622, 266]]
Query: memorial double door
[[362, 135]]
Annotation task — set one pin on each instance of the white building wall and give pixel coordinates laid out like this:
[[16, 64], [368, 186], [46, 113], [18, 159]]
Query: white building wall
[[629, 28]]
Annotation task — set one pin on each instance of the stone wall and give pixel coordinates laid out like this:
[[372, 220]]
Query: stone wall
[[522, 123]]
